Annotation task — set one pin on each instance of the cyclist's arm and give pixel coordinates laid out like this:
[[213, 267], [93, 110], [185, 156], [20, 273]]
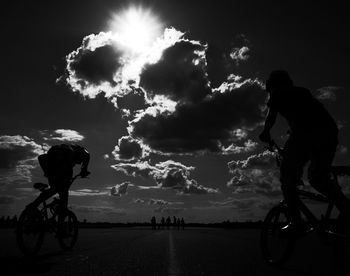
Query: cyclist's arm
[[270, 119], [86, 160]]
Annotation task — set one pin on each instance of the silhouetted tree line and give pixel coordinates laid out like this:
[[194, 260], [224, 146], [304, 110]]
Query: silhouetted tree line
[[163, 223]]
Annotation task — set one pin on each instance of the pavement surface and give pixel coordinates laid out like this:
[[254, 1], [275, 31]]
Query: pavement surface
[[142, 251]]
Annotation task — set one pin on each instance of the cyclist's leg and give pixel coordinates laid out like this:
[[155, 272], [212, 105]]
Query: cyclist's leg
[[63, 193], [295, 156], [320, 177]]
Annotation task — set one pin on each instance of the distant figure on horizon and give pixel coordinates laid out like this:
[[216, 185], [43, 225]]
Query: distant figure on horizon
[[168, 222], [178, 223], [182, 223], [313, 136], [163, 222], [153, 222], [174, 222], [57, 165]]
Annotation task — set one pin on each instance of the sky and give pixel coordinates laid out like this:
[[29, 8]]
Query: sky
[[167, 96]]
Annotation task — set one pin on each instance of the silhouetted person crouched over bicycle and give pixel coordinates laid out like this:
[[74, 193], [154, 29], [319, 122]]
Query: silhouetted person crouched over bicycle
[[58, 164], [313, 137]]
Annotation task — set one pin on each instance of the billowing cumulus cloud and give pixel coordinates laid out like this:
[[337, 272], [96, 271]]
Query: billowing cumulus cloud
[[130, 149], [120, 189], [178, 110], [63, 135], [168, 174], [93, 67], [102, 64], [206, 125], [257, 174]]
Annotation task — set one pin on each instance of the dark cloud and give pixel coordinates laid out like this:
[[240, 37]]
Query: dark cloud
[[133, 101], [206, 125], [14, 149], [180, 74], [95, 65], [128, 149]]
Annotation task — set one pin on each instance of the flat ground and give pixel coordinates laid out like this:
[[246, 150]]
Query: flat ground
[[142, 251]]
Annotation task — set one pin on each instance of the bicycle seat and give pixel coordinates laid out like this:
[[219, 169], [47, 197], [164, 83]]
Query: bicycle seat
[[340, 170], [40, 186]]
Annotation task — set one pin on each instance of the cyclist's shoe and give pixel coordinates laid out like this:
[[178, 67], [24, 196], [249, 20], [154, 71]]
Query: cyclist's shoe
[[295, 230]]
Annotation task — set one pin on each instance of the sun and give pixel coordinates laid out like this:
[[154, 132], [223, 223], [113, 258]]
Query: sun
[[136, 28]]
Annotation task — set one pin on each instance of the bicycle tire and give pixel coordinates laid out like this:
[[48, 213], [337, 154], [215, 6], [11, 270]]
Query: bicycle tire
[[67, 234], [341, 244], [30, 222], [275, 219]]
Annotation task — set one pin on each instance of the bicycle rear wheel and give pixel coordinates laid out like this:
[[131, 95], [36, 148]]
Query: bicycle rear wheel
[[67, 230], [30, 231], [342, 243], [276, 249]]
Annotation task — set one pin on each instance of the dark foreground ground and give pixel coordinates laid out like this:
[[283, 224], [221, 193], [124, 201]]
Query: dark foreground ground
[[137, 251]]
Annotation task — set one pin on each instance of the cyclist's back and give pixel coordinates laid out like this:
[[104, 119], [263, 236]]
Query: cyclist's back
[[303, 112]]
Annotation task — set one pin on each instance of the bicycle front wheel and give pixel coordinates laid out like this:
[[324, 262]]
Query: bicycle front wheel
[[276, 249], [67, 230], [30, 231]]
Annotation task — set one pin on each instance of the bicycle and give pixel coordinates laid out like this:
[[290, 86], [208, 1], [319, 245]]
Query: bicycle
[[34, 222], [277, 248]]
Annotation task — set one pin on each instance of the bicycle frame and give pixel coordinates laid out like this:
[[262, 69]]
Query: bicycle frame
[[50, 227], [309, 195]]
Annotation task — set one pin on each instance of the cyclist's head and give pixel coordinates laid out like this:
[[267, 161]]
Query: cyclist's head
[[278, 79]]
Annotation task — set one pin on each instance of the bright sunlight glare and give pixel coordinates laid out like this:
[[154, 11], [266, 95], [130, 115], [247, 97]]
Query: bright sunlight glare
[[136, 28]]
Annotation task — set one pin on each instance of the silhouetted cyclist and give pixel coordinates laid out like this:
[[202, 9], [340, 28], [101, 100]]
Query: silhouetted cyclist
[[58, 164], [313, 137], [182, 223]]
